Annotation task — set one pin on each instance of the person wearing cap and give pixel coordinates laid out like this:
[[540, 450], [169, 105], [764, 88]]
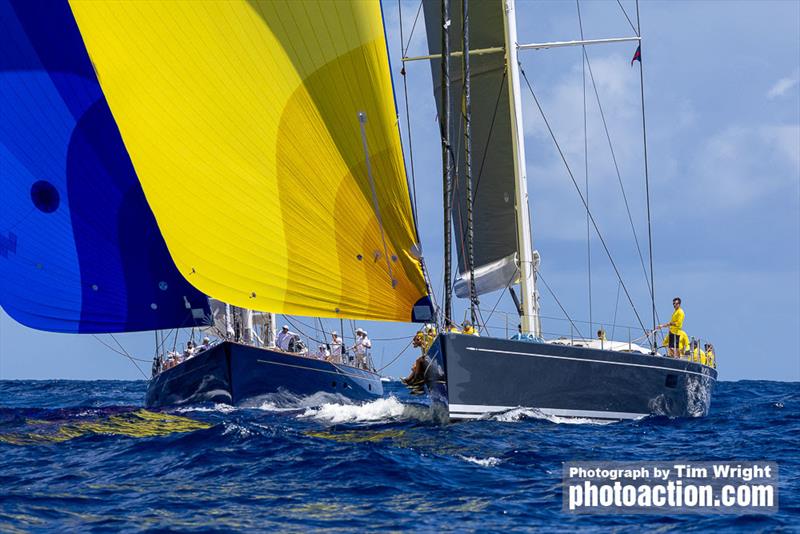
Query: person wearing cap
[[190, 350], [336, 347], [361, 348], [283, 338], [322, 352]]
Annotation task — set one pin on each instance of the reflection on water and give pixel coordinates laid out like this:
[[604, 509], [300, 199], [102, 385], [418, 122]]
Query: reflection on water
[[137, 424]]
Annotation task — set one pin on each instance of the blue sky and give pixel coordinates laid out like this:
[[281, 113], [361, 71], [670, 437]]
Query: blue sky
[[723, 116]]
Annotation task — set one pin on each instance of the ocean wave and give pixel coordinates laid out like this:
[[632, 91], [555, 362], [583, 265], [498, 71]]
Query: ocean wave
[[521, 414], [386, 409], [491, 461], [283, 401], [217, 407]]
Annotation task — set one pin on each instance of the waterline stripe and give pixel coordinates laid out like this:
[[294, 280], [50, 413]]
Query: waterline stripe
[[591, 360], [476, 410]]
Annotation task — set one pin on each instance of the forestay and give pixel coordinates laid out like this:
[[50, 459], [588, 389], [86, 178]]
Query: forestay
[[242, 122], [495, 241], [80, 250]]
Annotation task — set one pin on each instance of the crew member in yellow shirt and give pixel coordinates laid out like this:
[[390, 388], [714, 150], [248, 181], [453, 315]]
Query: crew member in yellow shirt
[[675, 325], [468, 329]]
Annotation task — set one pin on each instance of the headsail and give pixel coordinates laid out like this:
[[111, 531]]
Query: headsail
[[242, 120], [495, 241], [80, 250]]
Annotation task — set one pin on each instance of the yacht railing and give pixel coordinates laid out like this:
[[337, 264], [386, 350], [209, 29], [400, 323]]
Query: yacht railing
[[584, 334]]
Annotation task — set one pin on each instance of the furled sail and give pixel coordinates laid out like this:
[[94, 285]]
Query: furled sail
[[495, 239], [80, 250], [270, 129]]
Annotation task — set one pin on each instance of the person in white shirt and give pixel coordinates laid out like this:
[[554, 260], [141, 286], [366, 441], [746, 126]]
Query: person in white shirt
[[322, 352], [283, 338], [336, 347], [203, 346], [361, 348]]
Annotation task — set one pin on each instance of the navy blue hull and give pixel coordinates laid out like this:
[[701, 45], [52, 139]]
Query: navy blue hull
[[468, 377], [231, 373]]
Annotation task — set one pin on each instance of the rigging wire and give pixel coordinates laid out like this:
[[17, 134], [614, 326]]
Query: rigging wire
[[586, 166], [395, 358], [629, 19], [616, 306], [583, 200], [466, 110], [646, 178], [125, 354], [552, 293], [508, 284], [408, 113], [619, 175], [489, 135], [413, 27], [447, 160]]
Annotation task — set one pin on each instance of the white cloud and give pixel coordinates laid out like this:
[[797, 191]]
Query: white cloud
[[782, 86], [740, 165]]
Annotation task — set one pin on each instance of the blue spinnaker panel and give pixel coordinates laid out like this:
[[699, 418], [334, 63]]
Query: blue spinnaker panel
[[80, 250]]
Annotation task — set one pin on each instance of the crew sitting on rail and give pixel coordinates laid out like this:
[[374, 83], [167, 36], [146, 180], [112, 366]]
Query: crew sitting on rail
[[601, 335], [189, 352], [468, 329], [451, 328], [322, 352], [712, 362], [419, 341], [675, 325], [697, 355]]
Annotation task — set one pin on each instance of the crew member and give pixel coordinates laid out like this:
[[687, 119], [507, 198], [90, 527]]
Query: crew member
[[283, 338], [362, 348], [712, 362], [204, 346], [322, 352], [336, 348], [468, 329], [675, 325]]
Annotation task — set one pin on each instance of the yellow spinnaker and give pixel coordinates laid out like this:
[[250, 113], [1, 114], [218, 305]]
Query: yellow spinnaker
[[242, 122]]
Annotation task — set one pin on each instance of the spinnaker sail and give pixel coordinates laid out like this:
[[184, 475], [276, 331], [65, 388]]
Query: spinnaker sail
[[80, 250], [495, 239], [270, 129]]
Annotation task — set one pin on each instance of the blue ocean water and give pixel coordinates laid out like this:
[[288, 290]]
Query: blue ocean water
[[85, 456]]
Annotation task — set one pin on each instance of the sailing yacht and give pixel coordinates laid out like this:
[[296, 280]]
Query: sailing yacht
[[157, 154], [471, 377]]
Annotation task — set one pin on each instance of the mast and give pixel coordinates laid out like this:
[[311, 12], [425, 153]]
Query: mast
[[530, 306], [447, 168]]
